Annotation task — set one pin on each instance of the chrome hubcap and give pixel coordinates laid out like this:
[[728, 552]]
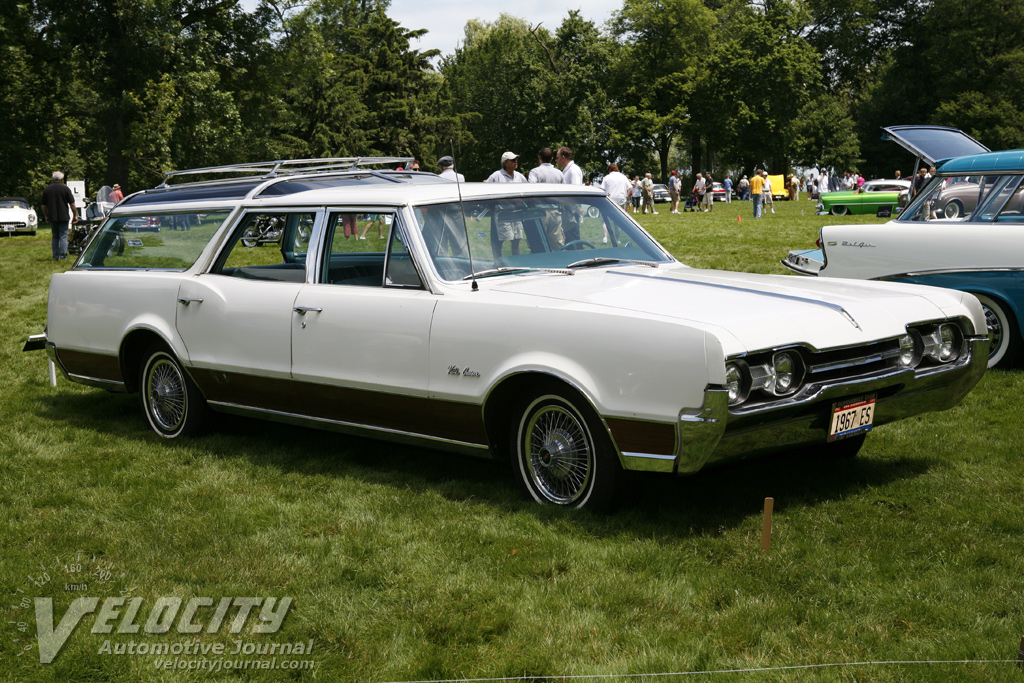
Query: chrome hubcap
[[559, 456], [995, 330]]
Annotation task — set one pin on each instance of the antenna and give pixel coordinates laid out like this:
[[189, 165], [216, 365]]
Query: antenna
[[465, 225]]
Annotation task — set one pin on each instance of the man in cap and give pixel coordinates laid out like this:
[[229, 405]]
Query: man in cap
[[507, 173], [447, 166]]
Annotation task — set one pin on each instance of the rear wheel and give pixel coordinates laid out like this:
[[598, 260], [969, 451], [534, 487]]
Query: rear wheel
[[839, 210], [953, 210], [171, 401], [1003, 336], [562, 454]]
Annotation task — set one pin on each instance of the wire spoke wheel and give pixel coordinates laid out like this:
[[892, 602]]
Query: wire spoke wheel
[[165, 389], [172, 403], [563, 454], [560, 456]]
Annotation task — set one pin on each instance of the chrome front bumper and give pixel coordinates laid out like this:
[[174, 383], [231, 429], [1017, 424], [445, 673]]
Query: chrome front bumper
[[717, 435]]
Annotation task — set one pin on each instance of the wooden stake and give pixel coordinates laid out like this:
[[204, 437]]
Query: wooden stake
[[766, 526]]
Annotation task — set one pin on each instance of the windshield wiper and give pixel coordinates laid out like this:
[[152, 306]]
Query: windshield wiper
[[605, 260], [510, 269]]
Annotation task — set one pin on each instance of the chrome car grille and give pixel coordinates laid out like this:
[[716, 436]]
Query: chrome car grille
[[13, 225]]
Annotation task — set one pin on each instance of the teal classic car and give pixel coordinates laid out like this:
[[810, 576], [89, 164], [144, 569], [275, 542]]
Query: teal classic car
[[872, 196]]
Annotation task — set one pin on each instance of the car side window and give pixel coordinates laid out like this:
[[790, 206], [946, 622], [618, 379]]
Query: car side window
[[1013, 210], [268, 246], [360, 247]]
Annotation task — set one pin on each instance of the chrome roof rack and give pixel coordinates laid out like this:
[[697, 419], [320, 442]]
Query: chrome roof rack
[[267, 170]]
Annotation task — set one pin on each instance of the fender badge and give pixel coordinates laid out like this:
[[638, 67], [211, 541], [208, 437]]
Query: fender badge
[[454, 370]]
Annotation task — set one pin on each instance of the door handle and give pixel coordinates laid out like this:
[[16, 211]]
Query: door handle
[[303, 310], [186, 300]]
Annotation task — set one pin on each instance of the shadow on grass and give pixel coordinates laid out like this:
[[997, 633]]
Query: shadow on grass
[[709, 502]]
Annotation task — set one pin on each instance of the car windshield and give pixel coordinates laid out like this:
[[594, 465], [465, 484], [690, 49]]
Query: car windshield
[[13, 204], [516, 234], [955, 197]]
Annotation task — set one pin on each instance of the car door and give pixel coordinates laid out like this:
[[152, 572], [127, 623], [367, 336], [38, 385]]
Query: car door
[[361, 334], [235, 320]]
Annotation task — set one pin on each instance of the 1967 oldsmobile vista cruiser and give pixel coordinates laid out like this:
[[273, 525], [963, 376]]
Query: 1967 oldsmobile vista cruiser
[[534, 323]]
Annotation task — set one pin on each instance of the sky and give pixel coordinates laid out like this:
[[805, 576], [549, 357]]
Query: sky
[[445, 19]]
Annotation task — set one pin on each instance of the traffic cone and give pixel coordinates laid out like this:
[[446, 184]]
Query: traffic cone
[[739, 219]]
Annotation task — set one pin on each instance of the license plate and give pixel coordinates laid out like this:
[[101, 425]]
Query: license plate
[[9, 228], [851, 417]]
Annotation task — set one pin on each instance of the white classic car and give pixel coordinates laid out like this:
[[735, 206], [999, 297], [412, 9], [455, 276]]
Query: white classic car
[[17, 216], [539, 324], [962, 231]]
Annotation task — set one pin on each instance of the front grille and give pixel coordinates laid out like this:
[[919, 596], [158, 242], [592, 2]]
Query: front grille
[[14, 225], [842, 364]]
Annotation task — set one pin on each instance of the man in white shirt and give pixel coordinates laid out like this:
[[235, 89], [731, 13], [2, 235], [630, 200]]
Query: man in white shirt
[[506, 231], [545, 172], [571, 175], [507, 173], [447, 166], [617, 186]]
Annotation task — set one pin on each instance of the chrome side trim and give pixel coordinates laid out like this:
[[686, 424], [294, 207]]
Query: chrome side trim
[[108, 384], [950, 271], [648, 462], [479, 450], [747, 290]]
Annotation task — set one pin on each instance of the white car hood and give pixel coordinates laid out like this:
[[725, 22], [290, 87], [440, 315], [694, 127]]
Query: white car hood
[[750, 312], [11, 215]]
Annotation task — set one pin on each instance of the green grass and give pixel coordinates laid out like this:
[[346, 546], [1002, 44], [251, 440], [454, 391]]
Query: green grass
[[406, 564]]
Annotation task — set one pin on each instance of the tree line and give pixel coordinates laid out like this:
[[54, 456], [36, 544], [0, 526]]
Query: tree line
[[123, 90]]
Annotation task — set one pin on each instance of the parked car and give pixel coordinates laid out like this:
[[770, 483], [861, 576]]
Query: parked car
[[579, 352], [17, 216], [975, 250], [719, 191], [779, 189], [868, 199], [661, 194]]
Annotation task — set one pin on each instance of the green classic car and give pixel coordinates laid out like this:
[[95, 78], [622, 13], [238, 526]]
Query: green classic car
[[872, 196]]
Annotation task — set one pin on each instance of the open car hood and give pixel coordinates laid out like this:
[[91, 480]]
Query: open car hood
[[934, 144]]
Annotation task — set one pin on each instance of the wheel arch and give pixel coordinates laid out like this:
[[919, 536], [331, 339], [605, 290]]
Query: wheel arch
[[133, 351], [504, 399]]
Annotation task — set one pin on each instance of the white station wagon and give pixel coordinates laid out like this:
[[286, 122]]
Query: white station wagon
[[534, 323]]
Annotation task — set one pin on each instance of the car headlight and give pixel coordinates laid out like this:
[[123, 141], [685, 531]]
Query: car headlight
[[32, 218], [737, 382], [787, 373], [910, 350], [943, 343]]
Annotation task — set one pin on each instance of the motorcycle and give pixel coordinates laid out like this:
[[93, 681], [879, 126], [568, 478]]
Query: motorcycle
[[264, 230]]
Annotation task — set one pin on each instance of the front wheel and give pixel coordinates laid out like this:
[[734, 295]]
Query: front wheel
[[1002, 332], [839, 210], [562, 454], [171, 401]]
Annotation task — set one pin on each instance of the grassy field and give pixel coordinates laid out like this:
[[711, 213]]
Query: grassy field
[[411, 565]]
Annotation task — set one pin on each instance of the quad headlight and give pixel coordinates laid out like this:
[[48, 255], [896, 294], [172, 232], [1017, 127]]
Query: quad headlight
[[737, 382], [910, 350], [944, 342], [781, 374]]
